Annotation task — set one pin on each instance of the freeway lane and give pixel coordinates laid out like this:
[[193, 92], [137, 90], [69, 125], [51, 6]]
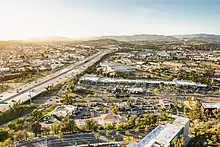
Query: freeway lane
[[37, 87], [13, 93]]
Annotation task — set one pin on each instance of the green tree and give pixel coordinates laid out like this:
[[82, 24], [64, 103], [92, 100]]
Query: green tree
[[118, 133], [67, 100], [91, 125], [178, 142], [114, 108], [127, 132], [68, 125], [36, 115], [6, 143], [4, 134], [17, 125], [108, 127]]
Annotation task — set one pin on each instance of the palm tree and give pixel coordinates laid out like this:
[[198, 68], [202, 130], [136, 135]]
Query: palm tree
[[55, 128]]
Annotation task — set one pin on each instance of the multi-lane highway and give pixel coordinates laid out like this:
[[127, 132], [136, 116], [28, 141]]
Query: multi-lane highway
[[30, 90]]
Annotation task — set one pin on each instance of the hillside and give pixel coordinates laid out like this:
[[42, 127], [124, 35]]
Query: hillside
[[141, 37], [199, 37]]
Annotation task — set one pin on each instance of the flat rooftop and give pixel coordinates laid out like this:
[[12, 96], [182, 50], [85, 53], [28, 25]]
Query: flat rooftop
[[162, 135], [94, 78], [211, 105]]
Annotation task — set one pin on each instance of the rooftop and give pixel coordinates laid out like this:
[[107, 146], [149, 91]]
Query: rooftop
[[211, 105], [162, 135], [93, 78]]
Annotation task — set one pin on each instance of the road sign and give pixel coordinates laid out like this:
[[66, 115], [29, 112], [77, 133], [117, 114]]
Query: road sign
[[3, 103]]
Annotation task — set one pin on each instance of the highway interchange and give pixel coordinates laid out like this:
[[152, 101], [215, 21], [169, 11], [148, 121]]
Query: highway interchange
[[28, 91]]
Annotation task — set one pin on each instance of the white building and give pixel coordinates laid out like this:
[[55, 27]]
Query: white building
[[64, 110], [163, 135]]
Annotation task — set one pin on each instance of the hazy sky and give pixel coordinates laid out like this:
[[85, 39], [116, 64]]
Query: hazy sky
[[22, 19]]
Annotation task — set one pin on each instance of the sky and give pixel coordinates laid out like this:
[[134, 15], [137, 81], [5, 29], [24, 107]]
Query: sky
[[23, 19]]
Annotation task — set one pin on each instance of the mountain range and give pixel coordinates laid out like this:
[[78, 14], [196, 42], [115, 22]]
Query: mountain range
[[146, 37]]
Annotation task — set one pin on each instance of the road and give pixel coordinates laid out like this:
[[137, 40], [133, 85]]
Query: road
[[26, 92], [80, 139]]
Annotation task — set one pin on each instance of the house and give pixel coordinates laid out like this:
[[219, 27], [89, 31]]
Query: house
[[163, 135], [109, 118]]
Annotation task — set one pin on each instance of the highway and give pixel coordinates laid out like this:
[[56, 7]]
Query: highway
[[30, 90]]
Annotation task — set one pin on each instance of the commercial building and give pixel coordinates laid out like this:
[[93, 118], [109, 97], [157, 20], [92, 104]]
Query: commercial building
[[163, 135], [64, 110], [115, 69], [147, 82]]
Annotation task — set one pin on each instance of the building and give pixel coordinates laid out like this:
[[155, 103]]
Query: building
[[114, 69], [163, 135], [165, 103], [210, 107], [109, 118], [147, 82], [64, 110]]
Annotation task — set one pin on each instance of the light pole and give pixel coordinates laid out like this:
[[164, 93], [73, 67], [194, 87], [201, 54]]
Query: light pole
[[31, 90]]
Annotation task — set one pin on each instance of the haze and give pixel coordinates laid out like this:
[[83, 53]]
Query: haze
[[25, 19]]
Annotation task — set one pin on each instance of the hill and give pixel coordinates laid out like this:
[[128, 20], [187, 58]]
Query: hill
[[141, 37], [199, 37]]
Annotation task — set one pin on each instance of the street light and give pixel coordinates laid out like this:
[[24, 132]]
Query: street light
[[31, 90]]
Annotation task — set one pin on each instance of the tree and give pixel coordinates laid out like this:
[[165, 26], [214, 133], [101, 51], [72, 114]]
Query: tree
[[36, 115], [216, 113], [45, 130], [108, 127], [97, 135], [55, 128], [114, 108], [20, 135], [117, 133], [4, 134], [91, 125], [68, 125], [107, 133], [17, 125], [6, 143], [178, 142], [67, 100], [127, 132], [137, 130], [35, 128]]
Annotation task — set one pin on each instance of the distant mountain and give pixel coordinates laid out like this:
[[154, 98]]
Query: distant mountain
[[199, 37], [141, 37]]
